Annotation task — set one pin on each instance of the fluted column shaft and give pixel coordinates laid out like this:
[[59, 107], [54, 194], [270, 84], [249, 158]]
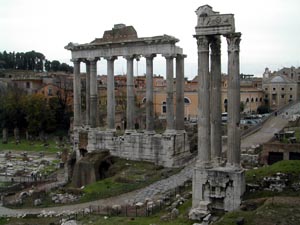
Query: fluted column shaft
[[203, 102], [149, 93], [77, 93], [93, 93], [216, 120], [130, 109], [180, 92], [170, 91], [87, 94], [110, 93], [234, 133]]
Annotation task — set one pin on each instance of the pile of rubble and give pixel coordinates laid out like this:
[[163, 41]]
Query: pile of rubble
[[64, 198]]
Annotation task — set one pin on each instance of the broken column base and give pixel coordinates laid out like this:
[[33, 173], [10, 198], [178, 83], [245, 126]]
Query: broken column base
[[221, 187]]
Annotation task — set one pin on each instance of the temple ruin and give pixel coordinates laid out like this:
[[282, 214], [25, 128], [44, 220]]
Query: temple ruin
[[169, 149], [218, 183]]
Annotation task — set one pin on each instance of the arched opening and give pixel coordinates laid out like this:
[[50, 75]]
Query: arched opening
[[82, 152], [225, 104]]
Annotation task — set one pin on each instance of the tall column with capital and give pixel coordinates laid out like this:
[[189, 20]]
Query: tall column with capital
[[180, 92], [216, 128], [87, 94], [234, 132], [130, 109], [110, 93], [203, 102], [149, 93], [77, 93], [93, 92], [170, 92]]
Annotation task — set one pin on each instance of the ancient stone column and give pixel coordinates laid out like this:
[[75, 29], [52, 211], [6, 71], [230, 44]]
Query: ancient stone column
[[234, 133], [130, 109], [87, 93], [77, 93], [203, 102], [180, 92], [149, 93], [215, 116], [93, 92], [170, 92], [110, 93]]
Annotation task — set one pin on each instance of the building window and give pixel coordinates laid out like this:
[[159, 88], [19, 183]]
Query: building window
[[266, 96], [266, 89], [252, 100], [282, 89], [274, 89], [187, 100], [144, 100], [247, 100], [291, 89], [282, 96], [260, 99], [49, 91], [256, 99], [164, 107], [291, 96], [27, 84]]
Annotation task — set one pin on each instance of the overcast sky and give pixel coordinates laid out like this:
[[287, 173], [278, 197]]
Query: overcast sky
[[270, 29]]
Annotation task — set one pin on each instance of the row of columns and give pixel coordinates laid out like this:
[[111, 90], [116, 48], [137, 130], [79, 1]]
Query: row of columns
[[209, 96], [91, 93]]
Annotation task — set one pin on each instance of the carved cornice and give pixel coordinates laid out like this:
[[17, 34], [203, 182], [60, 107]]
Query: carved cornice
[[92, 60], [75, 61], [233, 42]]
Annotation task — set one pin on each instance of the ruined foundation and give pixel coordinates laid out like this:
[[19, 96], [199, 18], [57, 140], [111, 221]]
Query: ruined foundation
[[222, 187]]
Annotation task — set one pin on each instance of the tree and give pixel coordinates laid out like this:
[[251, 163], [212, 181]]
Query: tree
[[47, 65], [55, 65]]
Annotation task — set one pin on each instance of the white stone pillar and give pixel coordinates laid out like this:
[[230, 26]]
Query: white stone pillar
[[110, 93], [216, 113], [130, 109], [234, 132], [87, 94], [204, 156], [170, 92], [93, 92], [149, 93], [77, 93], [180, 92]]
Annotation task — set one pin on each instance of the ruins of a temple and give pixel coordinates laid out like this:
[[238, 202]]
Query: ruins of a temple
[[169, 149], [217, 183]]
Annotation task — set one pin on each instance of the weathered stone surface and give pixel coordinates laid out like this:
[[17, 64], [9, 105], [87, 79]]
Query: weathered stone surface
[[91, 168]]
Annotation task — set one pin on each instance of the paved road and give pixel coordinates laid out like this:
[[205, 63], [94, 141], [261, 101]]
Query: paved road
[[267, 131]]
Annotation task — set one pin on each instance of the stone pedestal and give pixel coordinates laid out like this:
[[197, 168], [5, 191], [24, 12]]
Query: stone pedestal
[[223, 187]]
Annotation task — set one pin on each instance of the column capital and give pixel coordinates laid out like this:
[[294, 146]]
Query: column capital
[[233, 42], [215, 45], [150, 56], [169, 56], [75, 60], [111, 58], [202, 43], [93, 59], [182, 56], [129, 57]]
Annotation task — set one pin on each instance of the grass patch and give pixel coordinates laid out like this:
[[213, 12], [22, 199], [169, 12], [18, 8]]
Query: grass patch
[[125, 176], [291, 167], [31, 146], [269, 213]]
